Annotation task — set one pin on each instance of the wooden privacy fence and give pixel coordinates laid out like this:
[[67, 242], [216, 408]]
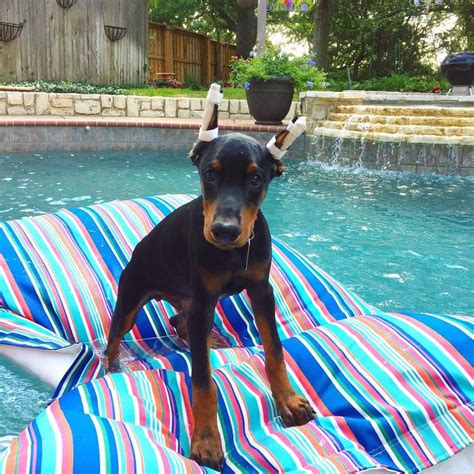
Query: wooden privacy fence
[[73, 44], [187, 55]]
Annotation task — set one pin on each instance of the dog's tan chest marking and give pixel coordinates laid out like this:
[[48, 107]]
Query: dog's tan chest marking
[[214, 282]]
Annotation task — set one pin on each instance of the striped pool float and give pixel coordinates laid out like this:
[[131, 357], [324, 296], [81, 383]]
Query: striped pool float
[[391, 390]]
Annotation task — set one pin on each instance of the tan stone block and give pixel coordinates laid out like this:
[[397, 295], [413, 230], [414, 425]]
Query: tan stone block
[[42, 103], [200, 113], [184, 113], [87, 107], [60, 101], [145, 104], [20, 110], [107, 101], [353, 95], [133, 106], [15, 98], [3, 107], [240, 117], [157, 103], [234, 106], [243, 107], [170, 108], [224, 107], [28, 99], [113, 113], [195, 104], [61, 111], [183, 103], [120, 101], [224, 115], [152, 113]]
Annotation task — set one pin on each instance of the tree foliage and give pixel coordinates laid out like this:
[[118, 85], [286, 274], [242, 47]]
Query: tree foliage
[[370, 37], [224, 20], [380, 37]]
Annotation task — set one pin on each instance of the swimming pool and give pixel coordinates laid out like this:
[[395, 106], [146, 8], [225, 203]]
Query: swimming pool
[[401, 241]]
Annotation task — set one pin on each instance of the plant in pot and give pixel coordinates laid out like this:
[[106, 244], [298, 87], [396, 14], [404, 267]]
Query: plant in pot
[[270, 82]]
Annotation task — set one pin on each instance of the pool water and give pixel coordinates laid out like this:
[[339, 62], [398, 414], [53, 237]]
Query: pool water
[[403, 242], [22, 397]]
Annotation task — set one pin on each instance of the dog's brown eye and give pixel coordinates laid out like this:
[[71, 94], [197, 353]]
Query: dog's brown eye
[[210, 176], [256, 180]]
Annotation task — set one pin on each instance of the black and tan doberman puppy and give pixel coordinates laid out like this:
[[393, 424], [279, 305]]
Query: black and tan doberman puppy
[[218, 244]]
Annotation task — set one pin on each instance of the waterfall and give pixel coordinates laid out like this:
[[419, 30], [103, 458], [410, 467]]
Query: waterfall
[[419, 139]]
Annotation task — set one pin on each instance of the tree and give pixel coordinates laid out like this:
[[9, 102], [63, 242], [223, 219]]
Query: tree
[[378, 37], [321, 30], [462, 36], [221, 19]]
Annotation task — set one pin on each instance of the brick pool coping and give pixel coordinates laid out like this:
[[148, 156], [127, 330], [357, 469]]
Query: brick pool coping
[[48, 121]]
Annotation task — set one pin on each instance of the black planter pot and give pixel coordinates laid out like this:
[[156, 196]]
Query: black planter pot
[[458, 68], [269, 101]]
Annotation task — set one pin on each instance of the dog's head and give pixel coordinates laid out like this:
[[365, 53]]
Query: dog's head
[[235, 172]]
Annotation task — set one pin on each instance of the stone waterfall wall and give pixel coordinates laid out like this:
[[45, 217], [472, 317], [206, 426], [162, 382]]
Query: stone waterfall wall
[[422, 133]]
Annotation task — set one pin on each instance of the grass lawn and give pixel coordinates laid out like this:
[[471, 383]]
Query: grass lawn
[[85, 88], [229, 93]]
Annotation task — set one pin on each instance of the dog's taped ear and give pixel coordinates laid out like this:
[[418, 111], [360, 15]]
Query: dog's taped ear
[[197, 151], [209, 128], [280, 143]]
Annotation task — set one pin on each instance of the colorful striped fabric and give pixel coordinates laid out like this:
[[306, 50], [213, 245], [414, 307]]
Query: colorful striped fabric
[[15, 330], [391, 390], [383, 400]]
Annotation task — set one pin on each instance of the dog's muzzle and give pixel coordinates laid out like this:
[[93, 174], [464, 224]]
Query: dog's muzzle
[[224, 232]]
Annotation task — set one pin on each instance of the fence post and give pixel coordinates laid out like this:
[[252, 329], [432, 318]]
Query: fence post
[[206, 61], [168, 50]]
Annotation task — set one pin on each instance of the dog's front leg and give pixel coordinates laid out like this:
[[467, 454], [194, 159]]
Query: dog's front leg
[[206, 447], [293, 408]]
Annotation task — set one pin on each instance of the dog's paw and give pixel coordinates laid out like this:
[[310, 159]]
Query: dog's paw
[[111, 365], [295, 410], [178, 321], [206, 449]]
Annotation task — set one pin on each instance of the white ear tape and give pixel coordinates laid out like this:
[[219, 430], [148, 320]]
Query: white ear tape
[[295, 129], [274, 150], [208, 135], [214, 94], [213, 99]]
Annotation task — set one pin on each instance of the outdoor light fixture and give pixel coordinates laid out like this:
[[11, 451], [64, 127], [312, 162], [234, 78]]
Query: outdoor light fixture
[[10, 31], [66, 4], [115, 33]]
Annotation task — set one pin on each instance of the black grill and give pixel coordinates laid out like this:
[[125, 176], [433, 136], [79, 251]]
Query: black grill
[[458, 68]]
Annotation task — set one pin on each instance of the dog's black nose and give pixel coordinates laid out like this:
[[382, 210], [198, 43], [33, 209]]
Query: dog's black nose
[[225, 232]]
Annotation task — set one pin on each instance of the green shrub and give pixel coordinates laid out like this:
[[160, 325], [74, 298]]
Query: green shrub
[[395, 82], [302, 71], [190, 82], [70, 87]]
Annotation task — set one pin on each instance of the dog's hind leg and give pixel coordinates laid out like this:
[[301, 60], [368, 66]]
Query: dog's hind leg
[[293, 408], [131, 297]]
